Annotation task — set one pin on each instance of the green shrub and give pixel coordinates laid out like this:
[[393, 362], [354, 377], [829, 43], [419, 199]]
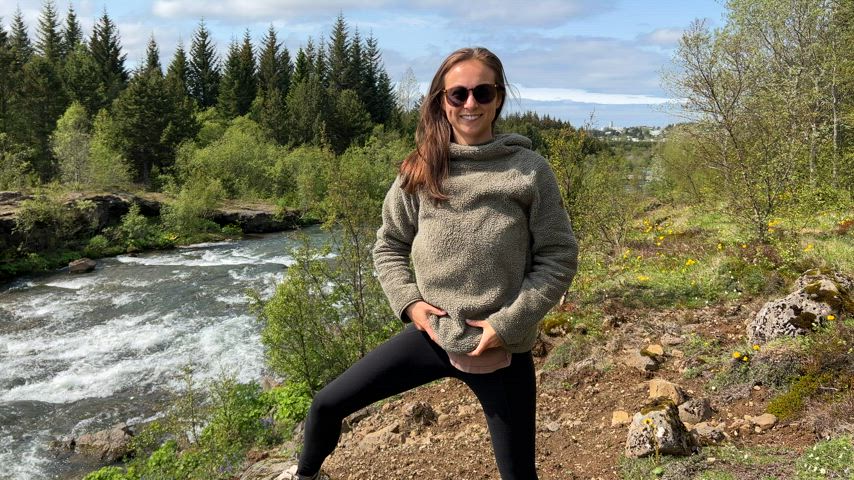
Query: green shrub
[[790, 403], [290, 403], [107, 473], [97, 247], [189, 213], [232, 230]]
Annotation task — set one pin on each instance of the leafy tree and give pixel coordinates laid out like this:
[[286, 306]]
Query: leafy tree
[[407, 94], [72, 35], [108, 167], [204, 75], [106, 50], [49, 39], [15, 171], [70, 144], [239, 83]]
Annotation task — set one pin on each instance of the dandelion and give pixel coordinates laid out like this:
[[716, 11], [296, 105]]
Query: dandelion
[[690, 262], [657, 244], [639, 257], [647, 421], [736, 355], [831, 317], [720, 246], [809, 247], [745, 358], [661, 237], [670, 231], [743, 245], [643, 278], [755, 348]]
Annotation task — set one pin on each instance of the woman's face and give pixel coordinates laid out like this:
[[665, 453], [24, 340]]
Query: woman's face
[[471, 122]]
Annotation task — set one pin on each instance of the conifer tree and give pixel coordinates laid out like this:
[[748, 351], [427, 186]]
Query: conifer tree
[[356, 71], [178, 72], [72, 35], [338, 56], [81, 78], [7, 84], [274, 77], [204, 74], [239, 84], [152, 58], [106, 50], [303, 65], [42, 103], [380, 100], [20, 44], [49, 40]]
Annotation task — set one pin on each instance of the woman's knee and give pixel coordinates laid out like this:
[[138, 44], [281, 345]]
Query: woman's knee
[[326, 404]]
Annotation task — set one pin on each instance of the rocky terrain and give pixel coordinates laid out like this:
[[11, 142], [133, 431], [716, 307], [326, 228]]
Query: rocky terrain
[[599, 404]]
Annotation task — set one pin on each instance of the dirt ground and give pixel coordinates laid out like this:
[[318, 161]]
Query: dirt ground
[[575, 437]]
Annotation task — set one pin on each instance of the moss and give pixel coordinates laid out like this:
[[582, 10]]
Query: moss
[[789, 404], [804, 320], [657, 404], [830, 297]]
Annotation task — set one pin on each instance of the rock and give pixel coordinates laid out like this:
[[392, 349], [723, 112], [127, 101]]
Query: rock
[[662, 388], [763, 422], [705, 434], [420, 413], [657, 429], [671, 340], [268, 383], [801, 311], [654, 349], [638, 360], [552, 426], [388, 435], [695, 411], [82, 265], [620, 418], [266, 469], [107, 446]]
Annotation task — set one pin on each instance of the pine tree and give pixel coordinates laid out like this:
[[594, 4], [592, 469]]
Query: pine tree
[[49, 41], [152, 58], [204, 74], [356, 71], [106, 50], [20, 44], [380, 100], [338, 56], [81, 78], [43, 102], [7, 84], [303, 66], [274, 77], [239, 84], [178, 72], [72, 35]]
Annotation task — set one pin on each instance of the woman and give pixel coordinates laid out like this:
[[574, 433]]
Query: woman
[[491, 249]]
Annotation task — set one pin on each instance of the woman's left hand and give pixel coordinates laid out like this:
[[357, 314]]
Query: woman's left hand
[[489, 339]]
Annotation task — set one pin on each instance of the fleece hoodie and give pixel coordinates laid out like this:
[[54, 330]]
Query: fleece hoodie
[[501, 249]]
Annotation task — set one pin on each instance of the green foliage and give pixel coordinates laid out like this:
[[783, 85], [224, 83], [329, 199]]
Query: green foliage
[[46, 211], [109, 168], [791, 403], [203, 76], [15, 170], [189, 213], [98, 247], [827, 459], [107, 473], [290, 403], [70, 144]]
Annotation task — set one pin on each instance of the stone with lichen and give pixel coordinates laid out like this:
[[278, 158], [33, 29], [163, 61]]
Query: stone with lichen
[[818, 295], [657, 430]]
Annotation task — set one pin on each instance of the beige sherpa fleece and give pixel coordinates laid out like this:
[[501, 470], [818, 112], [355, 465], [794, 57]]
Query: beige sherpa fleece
[[501, 249]]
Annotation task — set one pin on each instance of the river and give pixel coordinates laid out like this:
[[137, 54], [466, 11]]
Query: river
[[79, 353]]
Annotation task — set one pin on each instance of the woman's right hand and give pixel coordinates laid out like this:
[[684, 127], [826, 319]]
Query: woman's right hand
[[419, 312]]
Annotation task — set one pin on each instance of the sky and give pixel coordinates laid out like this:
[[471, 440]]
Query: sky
[[595, 62]]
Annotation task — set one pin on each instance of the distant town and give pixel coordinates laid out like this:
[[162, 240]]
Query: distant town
[[630, 134]]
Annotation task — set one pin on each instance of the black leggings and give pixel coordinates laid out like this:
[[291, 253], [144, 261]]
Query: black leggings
[[410, 359]]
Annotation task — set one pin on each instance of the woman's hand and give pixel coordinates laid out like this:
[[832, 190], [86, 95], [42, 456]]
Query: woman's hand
[[419, 312], [489, 339]]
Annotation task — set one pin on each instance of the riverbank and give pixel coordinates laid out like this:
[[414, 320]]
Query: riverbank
[[40, 233]]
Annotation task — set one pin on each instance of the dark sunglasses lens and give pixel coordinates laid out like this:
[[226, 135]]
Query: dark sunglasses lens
[[484, 93], [458, 95]]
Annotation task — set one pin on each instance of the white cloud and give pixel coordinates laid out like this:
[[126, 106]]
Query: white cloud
[[583, 96], [665, 37]]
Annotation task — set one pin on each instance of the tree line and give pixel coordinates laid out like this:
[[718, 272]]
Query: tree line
[[71, 110]]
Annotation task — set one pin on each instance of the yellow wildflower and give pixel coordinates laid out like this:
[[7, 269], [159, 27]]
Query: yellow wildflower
[[720, 246], [809, 247], [831, 317], [661, 237], [643, 278], [690, 262], [657, 244], [736, 354], [743, 245], [756, 348], [745, 358]]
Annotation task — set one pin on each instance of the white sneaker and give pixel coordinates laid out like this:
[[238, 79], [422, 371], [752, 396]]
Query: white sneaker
[[291, 474]]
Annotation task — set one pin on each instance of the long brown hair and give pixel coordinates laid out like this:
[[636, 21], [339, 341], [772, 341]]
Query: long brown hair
[[428, 165]]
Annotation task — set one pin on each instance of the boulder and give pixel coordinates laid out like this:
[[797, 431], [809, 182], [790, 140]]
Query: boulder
[[81, 265], [818, 295], [656, 429], [107, 446], [763, 422], [662, 388], [380, 439], [420, 413], [705, 434], [695, 411], [644, 363], [620, 418]]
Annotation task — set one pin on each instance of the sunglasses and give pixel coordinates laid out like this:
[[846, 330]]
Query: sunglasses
[[483, 93]]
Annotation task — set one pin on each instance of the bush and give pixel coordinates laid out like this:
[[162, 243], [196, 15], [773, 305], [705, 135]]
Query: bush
[[189, 213], [290, 403], [97, 247]]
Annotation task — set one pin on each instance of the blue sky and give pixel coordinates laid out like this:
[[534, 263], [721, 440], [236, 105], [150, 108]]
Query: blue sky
[[567, 58]]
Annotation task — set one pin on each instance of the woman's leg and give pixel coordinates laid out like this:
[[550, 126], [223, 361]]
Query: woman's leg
[[509, 400], [405, 361]]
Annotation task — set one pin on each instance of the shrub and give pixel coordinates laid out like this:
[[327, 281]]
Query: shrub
[[97, 247], [290, 403], [189, 213]]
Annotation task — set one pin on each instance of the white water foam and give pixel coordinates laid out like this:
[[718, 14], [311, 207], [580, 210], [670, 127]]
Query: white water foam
[[75, 283], [20, 465]]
